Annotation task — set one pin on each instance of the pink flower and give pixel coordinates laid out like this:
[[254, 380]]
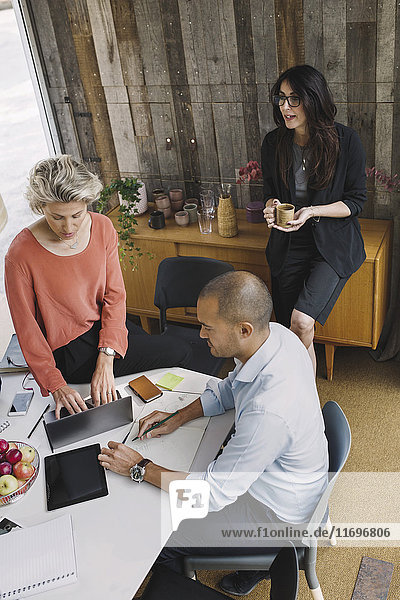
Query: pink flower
[[251, 171]]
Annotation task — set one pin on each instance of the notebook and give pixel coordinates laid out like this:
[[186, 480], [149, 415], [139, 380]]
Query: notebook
[[37, 559], [13, 359]]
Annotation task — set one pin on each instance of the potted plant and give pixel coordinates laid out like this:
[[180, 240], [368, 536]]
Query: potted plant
[[130, 199]]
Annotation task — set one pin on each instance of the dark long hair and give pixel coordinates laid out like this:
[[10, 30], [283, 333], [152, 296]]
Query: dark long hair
[[323, 146]]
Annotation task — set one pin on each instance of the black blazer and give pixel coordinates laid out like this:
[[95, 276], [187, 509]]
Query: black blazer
[[339, 241]]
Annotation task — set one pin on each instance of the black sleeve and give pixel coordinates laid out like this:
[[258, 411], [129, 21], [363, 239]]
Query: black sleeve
[[355, 193]]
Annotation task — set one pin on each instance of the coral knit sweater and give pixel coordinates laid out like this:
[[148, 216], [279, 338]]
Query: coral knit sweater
[[55, 299]]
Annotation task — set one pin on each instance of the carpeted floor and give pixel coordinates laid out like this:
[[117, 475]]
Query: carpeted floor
[[369, 394]]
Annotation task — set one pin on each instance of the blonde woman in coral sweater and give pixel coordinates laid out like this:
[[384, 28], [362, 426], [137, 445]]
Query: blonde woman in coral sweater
[[66, 293]]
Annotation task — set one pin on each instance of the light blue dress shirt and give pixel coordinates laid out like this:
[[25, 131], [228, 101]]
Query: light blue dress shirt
[[279, 453]]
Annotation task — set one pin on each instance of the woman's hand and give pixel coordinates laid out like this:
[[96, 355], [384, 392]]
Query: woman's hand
[[102, 387], [270, 211], [299, 218], [119, 458], [154, 418], [66, 396]]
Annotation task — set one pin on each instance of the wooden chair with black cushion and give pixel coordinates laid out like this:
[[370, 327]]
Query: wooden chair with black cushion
[[180, 280]]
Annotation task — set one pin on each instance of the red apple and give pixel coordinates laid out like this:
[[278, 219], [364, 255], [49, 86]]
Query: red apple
[[8, 484], [23, 470], [3, 446], [5, 468], [13, 456], [3, 457], [28, 454]]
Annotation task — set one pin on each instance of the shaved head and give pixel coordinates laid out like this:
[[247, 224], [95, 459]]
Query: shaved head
[[241, 297]]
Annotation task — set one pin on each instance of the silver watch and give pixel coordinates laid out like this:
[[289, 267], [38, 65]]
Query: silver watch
[[108, 351], [137, 471]]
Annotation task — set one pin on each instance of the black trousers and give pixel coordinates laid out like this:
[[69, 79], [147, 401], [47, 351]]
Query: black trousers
[[77, 360], [306, 282]]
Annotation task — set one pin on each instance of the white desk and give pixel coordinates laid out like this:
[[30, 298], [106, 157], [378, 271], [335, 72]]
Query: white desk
[[117, 537]]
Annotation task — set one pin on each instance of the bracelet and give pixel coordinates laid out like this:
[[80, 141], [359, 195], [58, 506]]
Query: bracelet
[[316, 218]]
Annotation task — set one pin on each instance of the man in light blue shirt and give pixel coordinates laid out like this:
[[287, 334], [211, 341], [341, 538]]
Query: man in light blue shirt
[[274, 468]]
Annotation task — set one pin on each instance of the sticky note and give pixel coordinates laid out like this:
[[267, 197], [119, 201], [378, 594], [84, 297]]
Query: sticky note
[[169, 381]]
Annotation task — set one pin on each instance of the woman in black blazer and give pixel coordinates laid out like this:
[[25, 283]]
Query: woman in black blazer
[[319, 166]]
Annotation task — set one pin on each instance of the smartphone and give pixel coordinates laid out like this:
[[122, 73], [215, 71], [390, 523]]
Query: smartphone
[[20, 404], [145, 389]]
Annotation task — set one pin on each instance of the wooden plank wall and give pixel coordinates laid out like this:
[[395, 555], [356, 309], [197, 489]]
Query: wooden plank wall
[[123, 75]]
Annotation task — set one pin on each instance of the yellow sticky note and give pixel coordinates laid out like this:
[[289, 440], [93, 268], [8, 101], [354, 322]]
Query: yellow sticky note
[[169, 381]]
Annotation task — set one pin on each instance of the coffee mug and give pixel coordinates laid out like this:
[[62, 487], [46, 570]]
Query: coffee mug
[[192, 210], [157, 219], [284, 214]]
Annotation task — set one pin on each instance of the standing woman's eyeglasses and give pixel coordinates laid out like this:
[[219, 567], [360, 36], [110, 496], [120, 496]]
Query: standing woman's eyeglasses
[[293, 101]]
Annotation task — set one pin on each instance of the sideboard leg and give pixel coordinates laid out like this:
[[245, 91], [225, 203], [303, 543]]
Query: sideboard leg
[[329, 358], [145, 323]]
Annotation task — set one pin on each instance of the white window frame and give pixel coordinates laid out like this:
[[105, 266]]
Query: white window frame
[[37, 76]]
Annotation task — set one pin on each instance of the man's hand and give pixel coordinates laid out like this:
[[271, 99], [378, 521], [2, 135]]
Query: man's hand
[[66, 396], [102, 387], [154, 418], [119, 458]]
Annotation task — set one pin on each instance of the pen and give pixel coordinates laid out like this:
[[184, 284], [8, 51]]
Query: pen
[[126, 437], [157, 424], [38, 421]]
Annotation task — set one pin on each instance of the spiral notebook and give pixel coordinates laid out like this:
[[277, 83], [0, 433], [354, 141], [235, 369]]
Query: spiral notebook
[[37, 559]]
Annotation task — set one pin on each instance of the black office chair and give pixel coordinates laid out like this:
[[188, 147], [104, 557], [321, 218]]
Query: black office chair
[[165, 584], [337, 431], [180, 280]]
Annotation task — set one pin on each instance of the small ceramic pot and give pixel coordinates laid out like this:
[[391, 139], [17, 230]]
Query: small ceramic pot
[[176, 205], [192, 210], [167, 212], [162, 202], [182, 218], [158, 192], [176, 194]]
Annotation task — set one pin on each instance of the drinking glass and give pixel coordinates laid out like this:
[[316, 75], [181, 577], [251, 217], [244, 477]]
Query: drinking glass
[[204, 218], [207, 201]]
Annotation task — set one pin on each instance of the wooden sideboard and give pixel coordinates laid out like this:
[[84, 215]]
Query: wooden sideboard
[[356, 320]]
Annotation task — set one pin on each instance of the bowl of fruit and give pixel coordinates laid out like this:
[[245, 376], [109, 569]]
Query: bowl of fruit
[[19, 467]]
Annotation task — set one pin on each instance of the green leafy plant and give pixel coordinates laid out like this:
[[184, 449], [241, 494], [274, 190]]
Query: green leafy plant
[[128, 188]]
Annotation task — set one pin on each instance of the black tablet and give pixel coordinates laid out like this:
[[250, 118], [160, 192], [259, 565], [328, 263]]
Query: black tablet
[[74, 476]]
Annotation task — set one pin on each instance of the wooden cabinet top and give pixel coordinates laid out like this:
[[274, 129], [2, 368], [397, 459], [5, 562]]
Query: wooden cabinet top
[[252, 236]]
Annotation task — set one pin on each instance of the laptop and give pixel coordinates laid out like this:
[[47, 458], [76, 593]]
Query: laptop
[[97, 419]]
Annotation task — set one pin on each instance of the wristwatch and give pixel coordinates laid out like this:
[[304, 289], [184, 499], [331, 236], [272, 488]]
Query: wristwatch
[[137, 471], [108, 351]]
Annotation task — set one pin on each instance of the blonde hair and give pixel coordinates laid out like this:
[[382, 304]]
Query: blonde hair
[[61, 179]]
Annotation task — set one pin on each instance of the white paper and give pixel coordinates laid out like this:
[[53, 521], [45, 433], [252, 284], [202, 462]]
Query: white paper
[[38, 558], [176, 450]]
